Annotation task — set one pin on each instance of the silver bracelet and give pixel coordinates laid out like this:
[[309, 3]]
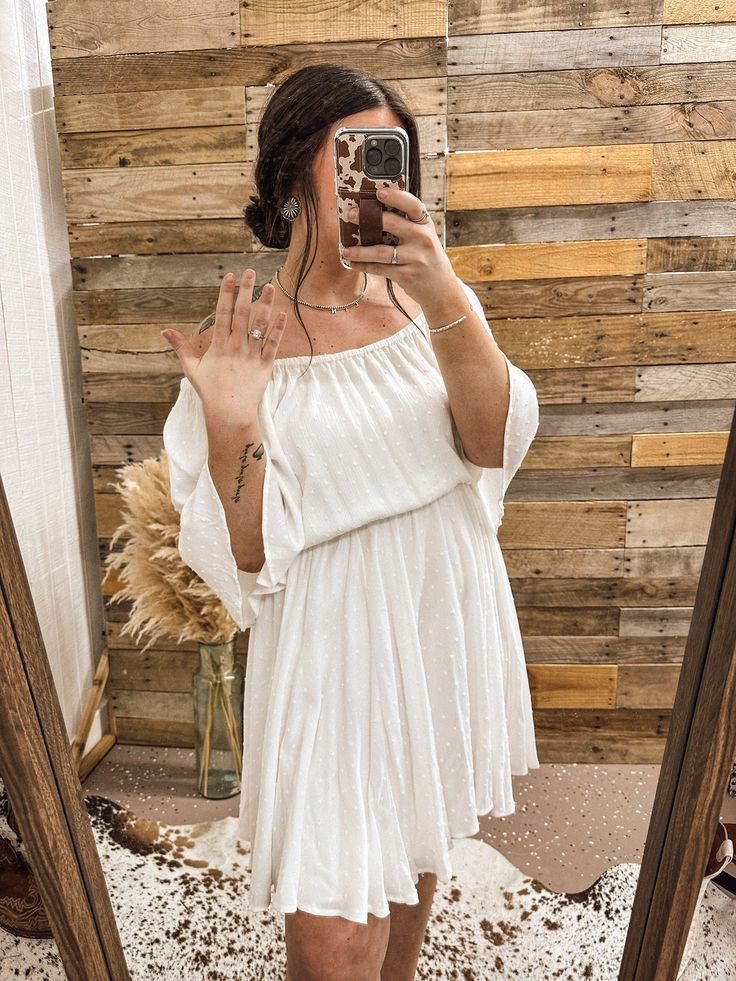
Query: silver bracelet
[[437, 330]]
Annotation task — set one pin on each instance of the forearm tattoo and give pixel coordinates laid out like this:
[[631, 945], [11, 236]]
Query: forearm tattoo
[[257, 454]]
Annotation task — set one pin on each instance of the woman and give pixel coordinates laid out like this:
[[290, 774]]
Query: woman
[[342, 497]]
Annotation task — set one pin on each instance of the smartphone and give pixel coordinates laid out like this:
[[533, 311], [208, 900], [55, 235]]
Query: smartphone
[[366, 158]]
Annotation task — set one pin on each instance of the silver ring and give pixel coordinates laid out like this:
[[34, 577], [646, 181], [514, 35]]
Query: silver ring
[[258, 334], [394, 257], [422, 218]]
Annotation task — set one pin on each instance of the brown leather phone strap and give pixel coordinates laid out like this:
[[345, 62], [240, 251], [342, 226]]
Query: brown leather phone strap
[[370, 221]]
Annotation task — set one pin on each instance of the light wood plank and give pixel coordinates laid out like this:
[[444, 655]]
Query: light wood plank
[[668, 522], [542, 261], [493, 16], [690, 291], [678, 449], [575, 452], [79, 28], [698, 42], [312, 22], [688, 170], [603, 650], [564, 686], [545, 50], [566, 175], [665, 622], [698, 11], [563, 524], [108, 112], [686, 382]]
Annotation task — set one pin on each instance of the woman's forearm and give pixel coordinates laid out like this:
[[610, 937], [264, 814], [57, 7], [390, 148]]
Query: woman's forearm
[[237, 464]]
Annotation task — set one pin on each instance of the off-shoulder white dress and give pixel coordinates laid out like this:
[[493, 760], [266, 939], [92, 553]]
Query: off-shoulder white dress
[[387, 702]]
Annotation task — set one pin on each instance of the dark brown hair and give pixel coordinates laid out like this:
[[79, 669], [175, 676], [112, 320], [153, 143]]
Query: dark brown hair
[[292, 130]]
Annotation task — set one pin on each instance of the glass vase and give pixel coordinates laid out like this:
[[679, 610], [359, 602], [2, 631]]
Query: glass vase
[[218, 684]]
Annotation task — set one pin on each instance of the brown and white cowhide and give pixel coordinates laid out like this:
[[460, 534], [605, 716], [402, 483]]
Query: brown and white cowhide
[[180, 895]]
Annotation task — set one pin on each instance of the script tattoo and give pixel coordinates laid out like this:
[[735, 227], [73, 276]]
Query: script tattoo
[[257, 455]]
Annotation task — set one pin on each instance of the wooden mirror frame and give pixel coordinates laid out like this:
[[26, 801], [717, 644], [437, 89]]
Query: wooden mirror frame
[[39, 772]]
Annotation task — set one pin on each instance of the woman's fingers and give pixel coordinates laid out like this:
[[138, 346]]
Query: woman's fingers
[[243, 305], [273, 337], [185, 350], [224, 312]]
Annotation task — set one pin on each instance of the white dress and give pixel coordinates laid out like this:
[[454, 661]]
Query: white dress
[[387, 702]]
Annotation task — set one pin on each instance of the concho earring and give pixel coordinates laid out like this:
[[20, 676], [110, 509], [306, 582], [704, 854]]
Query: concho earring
[[291, 208]]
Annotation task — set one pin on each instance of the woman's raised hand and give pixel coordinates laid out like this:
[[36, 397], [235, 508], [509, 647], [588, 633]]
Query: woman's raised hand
[[232, 374]]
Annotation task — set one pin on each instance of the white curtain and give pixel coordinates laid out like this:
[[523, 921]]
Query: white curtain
[[44, 444]]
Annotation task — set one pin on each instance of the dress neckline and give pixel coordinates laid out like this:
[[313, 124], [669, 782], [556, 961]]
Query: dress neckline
[[352, 351]]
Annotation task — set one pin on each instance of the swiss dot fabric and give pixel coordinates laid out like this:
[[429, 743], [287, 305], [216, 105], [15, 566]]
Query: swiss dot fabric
[[387, 703]]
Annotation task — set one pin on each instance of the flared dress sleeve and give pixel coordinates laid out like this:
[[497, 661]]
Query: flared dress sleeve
[[204, 537], [522, 423]]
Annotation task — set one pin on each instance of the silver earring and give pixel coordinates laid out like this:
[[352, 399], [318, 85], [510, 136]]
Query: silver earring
[[291, 208]]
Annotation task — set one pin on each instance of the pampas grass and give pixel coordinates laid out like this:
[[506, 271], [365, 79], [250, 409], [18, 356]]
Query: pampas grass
[[169, 600]]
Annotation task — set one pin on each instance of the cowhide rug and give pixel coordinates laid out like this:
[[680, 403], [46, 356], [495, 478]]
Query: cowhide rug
[[180, 896]]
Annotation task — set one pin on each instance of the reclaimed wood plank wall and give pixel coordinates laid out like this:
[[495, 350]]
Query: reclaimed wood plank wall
[[579, 160]]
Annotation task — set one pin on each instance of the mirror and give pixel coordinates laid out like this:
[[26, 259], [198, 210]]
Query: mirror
[[447, 542]]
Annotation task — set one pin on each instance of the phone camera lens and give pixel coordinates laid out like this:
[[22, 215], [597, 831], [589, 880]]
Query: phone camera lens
[[392, 147], [392, 165], [373, 156]]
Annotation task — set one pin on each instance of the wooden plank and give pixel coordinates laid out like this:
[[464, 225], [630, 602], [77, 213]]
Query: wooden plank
[[110, 112], [563, 524], [156, 669], [494, 16], [698, 42], [618, 591], [565, 686], [692, 254], [665, 561], [575, 452], [545, 50], [424, 58], [431, 132], [647, 686], [695, 11], [686, 382], [182, 192], [427, 94], [133, 731], [601, 563], [563, 175], [689, 170], [153, 148], [84, 27], [627, 483], [650, 338], [570, 127], [174, 706], [690, 291], [589, 88], [602, 650], [546, 563], [115, 238], [548, 621], [562, 297], [635, 219], [667, 523], [678, 449], [545, 260], [276, 22]]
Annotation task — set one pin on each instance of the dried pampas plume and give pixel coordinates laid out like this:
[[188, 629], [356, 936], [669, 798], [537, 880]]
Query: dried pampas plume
[[169, 600]]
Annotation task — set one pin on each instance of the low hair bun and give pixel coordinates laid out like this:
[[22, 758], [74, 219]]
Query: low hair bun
[[266, 223]]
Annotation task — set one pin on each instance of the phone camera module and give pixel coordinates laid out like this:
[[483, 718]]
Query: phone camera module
[[383, 157]]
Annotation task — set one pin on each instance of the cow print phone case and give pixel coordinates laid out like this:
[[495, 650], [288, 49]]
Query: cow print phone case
[[366, 158]]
